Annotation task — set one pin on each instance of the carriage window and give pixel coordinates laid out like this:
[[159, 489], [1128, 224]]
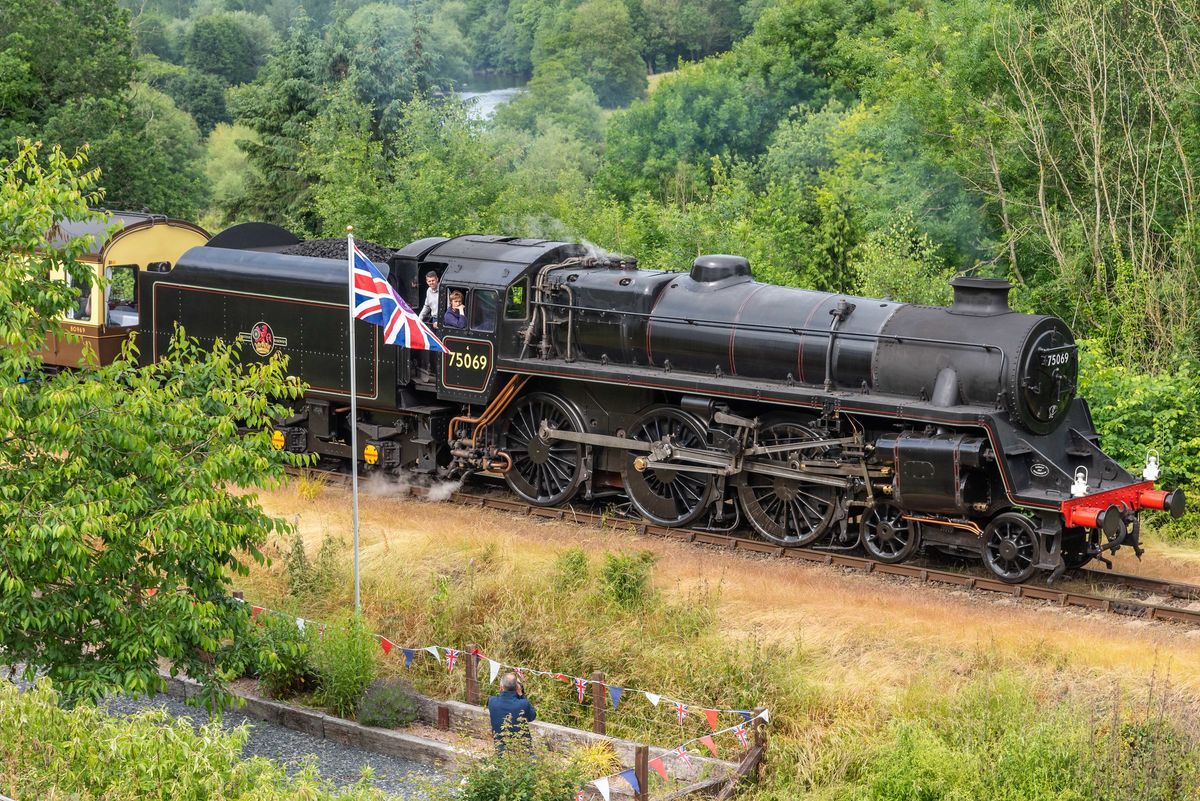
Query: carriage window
[[82, 310], [516, 307], [483, 310], [121, 295]]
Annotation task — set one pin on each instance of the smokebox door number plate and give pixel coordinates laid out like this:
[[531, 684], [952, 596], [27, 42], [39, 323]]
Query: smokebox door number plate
[[469, 365]]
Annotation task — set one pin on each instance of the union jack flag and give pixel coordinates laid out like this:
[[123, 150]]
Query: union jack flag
[[681, 711], [580, 686], [451, 658], [739, 731], [375, 301], [682, 754]]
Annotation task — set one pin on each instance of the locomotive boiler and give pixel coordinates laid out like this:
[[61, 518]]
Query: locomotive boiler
[[705, 398]]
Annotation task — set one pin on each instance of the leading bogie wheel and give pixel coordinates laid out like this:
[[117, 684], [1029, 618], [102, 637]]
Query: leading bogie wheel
[[665, 494], [1010, 547], [888, 536], [544, 472]]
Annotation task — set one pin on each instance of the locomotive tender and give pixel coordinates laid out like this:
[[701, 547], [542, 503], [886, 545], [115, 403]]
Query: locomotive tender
[[705, 398]]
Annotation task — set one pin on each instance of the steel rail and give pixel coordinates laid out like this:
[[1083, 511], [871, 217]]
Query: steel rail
[[926, 575]]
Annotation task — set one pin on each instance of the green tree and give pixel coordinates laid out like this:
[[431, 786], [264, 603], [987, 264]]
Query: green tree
[[278, 106], [119, 530], [200, 94], [600, 48], [228, 45], [56, 55]]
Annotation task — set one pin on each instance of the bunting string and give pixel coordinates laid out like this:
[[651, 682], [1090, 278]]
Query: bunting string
[[449, 657]]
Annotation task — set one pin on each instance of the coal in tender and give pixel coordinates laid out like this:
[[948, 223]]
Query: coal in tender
[[336, 249]]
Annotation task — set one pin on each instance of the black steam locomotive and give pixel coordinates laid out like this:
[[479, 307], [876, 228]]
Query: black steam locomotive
[[705, 398]]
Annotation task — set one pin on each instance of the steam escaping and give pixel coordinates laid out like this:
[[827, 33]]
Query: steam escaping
[[420, 486]]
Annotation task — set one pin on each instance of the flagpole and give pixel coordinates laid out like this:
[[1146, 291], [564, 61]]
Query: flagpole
[[353, 410]]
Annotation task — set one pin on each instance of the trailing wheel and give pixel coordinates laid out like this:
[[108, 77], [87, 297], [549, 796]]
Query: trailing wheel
[[663, 494], [1010, 547], [787, 511], [887, 536], [544, 473]]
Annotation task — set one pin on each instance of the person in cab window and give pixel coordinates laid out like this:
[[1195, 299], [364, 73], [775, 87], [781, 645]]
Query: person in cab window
[[456, 310], [428, 311]]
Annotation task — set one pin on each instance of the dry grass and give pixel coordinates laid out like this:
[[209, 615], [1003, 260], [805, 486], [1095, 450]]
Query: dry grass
[[866, 628]]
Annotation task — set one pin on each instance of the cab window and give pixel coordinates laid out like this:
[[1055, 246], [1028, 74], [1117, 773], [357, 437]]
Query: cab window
[[483, 310], [516, 307], [121, 295]]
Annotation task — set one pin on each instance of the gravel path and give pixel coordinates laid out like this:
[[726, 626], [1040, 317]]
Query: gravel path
[[337, 763]]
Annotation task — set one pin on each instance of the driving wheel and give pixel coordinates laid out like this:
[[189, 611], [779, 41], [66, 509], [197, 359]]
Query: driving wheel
[[664, 494]]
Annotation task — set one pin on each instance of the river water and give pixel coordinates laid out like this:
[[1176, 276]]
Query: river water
[[484, 93]]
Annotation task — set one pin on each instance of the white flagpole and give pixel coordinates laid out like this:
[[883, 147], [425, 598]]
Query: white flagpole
[[353, 410]]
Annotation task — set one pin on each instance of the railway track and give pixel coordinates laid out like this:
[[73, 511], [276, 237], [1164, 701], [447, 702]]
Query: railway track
[[1145, 607]]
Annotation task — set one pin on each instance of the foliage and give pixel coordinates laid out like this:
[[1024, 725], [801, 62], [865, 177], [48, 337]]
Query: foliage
[[231, 46], [278, 107], [284, 658], [226, 166], [904, 265], [518, 772], [307, 578], [1139, 413], [595, 41], [119, 532], [389, 704], [84, 753], [572, 569], [200, 94], [345, 663], [625, 579]]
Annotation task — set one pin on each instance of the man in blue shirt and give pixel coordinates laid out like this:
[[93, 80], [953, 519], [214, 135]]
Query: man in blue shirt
[[511, 713]]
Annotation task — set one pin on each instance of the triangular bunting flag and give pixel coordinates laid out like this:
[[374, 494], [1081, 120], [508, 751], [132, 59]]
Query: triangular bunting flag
[[386, 644], [433, 651], [477, 651], [682, 754], [451, 659], [749, 716], [681, 710], [739, 731], [652, 698], [409, 653], [493, 669], [709, 744], [658, 767], [560, 677], [580, 686], [631, 777], [615, 694], [711, 714], [300, 623], [255, 611], [602, 786], [765, 715]]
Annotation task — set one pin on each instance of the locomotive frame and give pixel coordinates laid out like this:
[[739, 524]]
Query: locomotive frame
[[703, 397]]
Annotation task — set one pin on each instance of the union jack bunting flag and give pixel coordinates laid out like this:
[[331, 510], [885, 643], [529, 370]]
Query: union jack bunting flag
[[739, 731], [682, 754], [375, 301], [681, 711], [580, 686], [451, 658]]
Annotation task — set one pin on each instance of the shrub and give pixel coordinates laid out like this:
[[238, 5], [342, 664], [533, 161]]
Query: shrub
[[626, 579], [389, 704], [313, 578], [571, 570], [284, 660], [518, 774], [85, 753], [297, 567], [344, 660]]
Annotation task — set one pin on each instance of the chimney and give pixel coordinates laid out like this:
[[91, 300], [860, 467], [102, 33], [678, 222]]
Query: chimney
[[982, 297]]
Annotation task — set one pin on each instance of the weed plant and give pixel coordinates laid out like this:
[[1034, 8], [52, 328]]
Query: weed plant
[[82, 753], [283, 658], [345, 662], [388, 704]]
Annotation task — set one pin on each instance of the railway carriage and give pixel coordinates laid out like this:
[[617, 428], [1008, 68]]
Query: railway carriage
[[705, 398], [124, 243]]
